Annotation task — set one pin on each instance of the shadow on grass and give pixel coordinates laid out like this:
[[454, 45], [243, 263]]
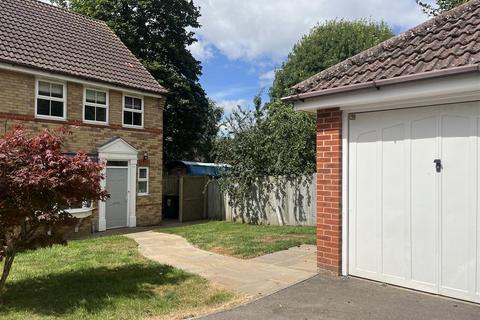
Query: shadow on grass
[[91, 289]]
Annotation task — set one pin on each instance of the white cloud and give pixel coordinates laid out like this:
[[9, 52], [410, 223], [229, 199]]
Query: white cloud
[[266, 78], [267, 29], [229, 92], [229, 105], [201, 50]]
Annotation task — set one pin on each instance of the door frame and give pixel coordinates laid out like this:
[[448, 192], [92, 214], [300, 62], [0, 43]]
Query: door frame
[[119, 150]]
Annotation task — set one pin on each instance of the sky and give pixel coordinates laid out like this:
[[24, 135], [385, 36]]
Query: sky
[[242, 42]]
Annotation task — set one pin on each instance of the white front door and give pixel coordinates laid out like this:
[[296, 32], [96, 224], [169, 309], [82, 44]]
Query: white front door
[[413, 198]]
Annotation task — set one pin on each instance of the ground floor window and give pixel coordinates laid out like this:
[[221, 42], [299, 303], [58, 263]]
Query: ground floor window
[[142, 181]]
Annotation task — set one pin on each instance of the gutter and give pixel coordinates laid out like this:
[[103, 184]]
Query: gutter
[[65, 76], [377, 84]]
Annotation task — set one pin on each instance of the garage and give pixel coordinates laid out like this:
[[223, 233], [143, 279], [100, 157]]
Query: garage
[[413, 198], [398, 156]]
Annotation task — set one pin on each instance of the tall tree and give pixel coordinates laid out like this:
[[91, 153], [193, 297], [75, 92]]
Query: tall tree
[[273, 139], [326, 45], [158, 32], [440, 6]]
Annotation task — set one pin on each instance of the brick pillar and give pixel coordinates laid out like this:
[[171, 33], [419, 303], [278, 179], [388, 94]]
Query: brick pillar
[[329, 190]]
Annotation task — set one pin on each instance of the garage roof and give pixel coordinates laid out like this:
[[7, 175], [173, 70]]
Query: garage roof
[[449, 43], [41, 36]]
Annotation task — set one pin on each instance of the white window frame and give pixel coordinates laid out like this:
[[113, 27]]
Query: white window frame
[[147, 180], [63, 100], [96, 105], [133, 111]]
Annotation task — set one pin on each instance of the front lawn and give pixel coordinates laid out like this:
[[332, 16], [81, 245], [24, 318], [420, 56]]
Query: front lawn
[[103, 278], [243, 240]]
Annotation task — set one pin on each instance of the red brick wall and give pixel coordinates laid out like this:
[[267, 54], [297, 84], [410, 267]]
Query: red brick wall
[[329, 190]]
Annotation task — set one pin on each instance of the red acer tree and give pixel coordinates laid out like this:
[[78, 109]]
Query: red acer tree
[[38, 183]]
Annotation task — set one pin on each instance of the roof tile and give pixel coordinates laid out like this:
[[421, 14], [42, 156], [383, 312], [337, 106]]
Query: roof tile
[[447, 41], [38, 35]]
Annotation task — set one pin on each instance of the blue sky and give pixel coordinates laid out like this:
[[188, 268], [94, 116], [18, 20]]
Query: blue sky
[[241, 43]]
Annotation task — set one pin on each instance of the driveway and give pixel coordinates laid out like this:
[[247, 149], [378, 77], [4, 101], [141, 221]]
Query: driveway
[[254, 277], [333, 298]]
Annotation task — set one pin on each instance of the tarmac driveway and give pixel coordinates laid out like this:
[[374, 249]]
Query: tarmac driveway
[[333, 298]]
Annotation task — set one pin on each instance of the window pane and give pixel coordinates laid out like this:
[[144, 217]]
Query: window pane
[[137, 104], [142, 187], [137, 119], [101, 97], [128, 102], [90, 96], [142, 173], [127, 117], [43, 107], [90, 113], [117, 163], [101, 114], [57, 90], [57, 108], [43, 88]]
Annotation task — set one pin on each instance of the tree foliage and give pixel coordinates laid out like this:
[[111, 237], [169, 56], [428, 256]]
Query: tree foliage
[[269, 140], [37, 184], [273, 140], [158, 33], [326, 45], [440, 6]]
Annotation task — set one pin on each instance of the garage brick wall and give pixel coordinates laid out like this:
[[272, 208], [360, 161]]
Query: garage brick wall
[[17, 92], [329, 190]]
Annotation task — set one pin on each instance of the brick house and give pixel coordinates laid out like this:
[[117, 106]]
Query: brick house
[[398, 162], [62, 69]]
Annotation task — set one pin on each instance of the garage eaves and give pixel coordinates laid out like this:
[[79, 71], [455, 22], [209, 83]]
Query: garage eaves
[[377, 84]]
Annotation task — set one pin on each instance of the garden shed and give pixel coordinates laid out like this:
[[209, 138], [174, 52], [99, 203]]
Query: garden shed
[[185, 189], [191, 168]]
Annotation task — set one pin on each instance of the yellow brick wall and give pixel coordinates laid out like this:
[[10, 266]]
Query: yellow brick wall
[[17, 96]]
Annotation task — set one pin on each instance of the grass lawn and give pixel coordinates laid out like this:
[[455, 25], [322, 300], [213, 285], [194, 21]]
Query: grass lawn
[[243, 240], [103, 278]]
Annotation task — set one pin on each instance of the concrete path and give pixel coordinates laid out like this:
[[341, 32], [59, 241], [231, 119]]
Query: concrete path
[[335, 298], [254, 277]]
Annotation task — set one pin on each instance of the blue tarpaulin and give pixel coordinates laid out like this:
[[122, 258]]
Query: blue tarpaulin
[[199, 168]]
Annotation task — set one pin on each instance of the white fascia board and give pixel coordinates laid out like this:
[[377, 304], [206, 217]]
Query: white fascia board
[[451, 89], [55, 76]]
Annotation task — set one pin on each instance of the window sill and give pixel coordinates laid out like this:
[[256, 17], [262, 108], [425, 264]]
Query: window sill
[[97, 123], [142, 194], [50, 118], [132, 127]]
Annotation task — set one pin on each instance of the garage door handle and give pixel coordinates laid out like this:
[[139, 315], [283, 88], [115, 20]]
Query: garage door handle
[[438, 165]]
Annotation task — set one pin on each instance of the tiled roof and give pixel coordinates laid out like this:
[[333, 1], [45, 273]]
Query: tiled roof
[[448, 41], [41, 36]]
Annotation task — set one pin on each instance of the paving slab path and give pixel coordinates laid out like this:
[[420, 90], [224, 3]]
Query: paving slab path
[[255, 277]]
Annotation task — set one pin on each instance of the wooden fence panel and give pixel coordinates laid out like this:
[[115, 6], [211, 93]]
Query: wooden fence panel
[[171, 186], [193, 204], [292, 201]]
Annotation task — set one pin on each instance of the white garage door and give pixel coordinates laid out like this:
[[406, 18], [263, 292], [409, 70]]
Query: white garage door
[[414, 198]]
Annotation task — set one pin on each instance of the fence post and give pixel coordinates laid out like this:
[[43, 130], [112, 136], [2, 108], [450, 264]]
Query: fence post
[[180, 199]]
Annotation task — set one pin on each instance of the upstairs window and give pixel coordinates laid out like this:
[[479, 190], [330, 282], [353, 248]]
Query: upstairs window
[[95, 108], [50, 100], [132, 112], [142, 181]]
